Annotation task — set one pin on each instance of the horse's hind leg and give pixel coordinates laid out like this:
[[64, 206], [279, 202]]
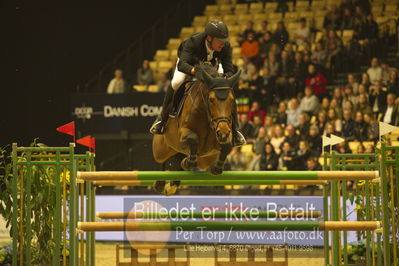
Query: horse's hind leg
[[217, 167], [189, 139]]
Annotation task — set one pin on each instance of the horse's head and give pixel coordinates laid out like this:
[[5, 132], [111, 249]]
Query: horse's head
[[220, 102]]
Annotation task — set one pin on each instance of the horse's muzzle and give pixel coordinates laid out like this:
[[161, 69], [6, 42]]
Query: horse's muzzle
[[222, 137]]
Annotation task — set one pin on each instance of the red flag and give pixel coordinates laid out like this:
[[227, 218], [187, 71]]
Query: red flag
[[93, 144], [68, 129], [86, 141]]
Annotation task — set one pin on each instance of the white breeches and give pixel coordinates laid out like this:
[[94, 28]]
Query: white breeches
[[179, 77]]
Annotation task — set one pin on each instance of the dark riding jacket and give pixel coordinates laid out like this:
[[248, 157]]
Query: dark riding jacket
[[193, 50]]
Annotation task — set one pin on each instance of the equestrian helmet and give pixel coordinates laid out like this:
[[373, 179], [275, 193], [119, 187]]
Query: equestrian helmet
[[217, 29]]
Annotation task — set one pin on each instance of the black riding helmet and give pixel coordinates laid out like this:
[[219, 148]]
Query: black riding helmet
[[217, 29]]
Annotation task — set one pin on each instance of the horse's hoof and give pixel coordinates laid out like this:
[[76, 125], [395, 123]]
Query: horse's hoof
[[159, 186], [187, 164], [216, 170], [169, 189]]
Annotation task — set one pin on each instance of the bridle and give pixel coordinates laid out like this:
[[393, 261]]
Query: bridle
[[215, 121]]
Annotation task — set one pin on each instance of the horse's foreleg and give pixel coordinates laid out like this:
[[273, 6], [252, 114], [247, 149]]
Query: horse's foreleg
[[190, 140], [217, 167]]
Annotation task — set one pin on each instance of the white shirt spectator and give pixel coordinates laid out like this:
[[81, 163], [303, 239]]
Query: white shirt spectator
[[375, 74], [303, 33], [388, 114], [116, 86], [309, 104]]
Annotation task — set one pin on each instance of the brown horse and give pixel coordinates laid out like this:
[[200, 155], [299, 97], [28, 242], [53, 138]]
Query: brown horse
[[203, 130]]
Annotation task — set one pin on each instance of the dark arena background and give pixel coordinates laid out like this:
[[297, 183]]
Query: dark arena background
[[317, 102]]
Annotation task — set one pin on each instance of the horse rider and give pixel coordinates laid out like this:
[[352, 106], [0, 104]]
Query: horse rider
[[211, 46]]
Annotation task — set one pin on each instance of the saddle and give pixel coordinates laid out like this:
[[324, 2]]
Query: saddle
[[179, 98]]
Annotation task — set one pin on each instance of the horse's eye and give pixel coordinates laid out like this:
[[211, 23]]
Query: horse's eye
[[211, 100]]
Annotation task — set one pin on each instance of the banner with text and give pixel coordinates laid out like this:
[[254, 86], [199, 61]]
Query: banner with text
[[104, 113]]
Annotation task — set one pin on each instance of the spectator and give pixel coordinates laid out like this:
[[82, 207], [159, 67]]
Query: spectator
[[321, 121], [352, 81], [338, 108], [299, 73], [265, 44], [272, 64], [302, 34], [365, 80], [333, 19], [309, 103], [117, 84], [304, 125], [288, 158], [258, 149], [360, 128], [277, 138], [293, 112], [334, 47], [338, 96], [292, 137], [389, 114], [250, 48], [330, 130], [347, 20], [144, 74], [393, 83], [163, 82], [281, 35], [245, 69], [362, 105], [314, 140], [282, 82], [258, 125], [316, 80], [333, 119], [325, 105], [386, 71], [348, 105], [377, 98], [248, 30], [246, 126], [289, 48], [349, 95], [237, 160], [269, 127], [256, 111], [319, 55], [275, 48], [371, 35], [348, 125], [313, 164], [362, 90], [372, 127], [263, 29], [267, 89], [255, 82], [303, 154], [375, 71], [269, 159], [281, 115]]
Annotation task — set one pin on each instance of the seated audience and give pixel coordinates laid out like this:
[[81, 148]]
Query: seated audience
[[309, 103], [389, 114], [269, 159], [375, 71], [316, 80], [145, 75], [117, 84], [293, 112], [277, 138], [302, 34]]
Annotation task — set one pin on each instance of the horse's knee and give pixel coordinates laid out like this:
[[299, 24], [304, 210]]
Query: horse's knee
[[190, 139]]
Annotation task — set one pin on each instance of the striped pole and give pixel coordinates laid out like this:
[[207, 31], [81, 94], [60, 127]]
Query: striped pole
[[216, 215], [229, 226], [229, 175], [211, 182]]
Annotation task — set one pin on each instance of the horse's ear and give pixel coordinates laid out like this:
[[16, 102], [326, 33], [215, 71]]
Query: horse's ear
[[234, 79], [207, 78]]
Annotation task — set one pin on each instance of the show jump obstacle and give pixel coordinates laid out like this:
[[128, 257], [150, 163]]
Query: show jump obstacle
[[376, 176]]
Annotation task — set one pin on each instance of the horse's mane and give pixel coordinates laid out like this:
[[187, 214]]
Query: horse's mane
[[204, 66]]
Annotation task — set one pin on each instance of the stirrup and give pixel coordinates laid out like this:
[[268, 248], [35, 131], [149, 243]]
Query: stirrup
[[157, 128], [238, 139]]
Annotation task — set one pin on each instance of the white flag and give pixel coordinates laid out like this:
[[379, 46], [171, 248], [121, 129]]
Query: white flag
[[335, 139], [386, 128], [326, 141]]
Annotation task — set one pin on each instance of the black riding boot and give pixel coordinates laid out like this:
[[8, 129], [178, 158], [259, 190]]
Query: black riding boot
[[158, 127], [238, 137]]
